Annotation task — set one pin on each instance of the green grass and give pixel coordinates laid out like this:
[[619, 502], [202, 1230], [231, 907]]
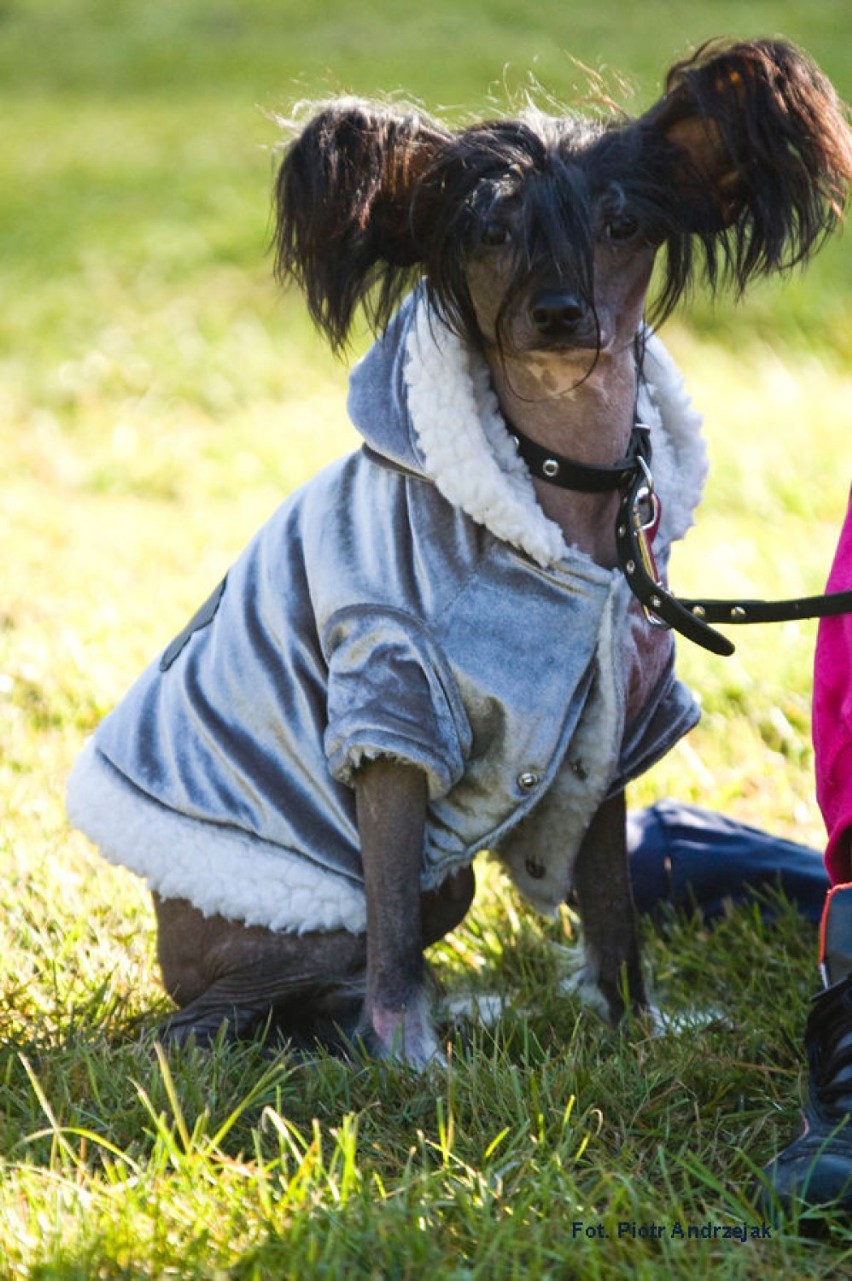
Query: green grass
[[157, 398]]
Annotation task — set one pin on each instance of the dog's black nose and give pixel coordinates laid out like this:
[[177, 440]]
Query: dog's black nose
[[557, 312]]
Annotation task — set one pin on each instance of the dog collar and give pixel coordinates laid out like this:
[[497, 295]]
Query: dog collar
[[587, 478], [637, 523]]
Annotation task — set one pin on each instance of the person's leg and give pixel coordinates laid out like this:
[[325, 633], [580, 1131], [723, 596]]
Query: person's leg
[[816, 1168], [693, 859]]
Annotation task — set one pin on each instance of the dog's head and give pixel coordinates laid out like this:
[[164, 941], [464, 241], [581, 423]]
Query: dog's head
[[539, 234]]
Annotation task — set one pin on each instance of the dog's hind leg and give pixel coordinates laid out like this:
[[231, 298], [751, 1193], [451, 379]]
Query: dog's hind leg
[[308, 987], [222, 973], [610, 937]]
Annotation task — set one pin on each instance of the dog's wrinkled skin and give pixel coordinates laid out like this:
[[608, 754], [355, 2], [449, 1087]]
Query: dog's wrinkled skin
[[536, 238], [219, 970]]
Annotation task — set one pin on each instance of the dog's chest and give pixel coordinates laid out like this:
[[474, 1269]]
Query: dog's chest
[[539, 853], [646, 656]]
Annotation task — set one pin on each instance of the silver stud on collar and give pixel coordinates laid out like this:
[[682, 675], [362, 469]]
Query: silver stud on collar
[[550, 468]]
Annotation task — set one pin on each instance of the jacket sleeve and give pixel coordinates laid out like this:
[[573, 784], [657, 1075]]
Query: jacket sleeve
[[832, 716], [390, 693]]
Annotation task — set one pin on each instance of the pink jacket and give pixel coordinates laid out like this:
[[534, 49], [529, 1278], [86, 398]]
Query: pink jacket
[[832, 717]]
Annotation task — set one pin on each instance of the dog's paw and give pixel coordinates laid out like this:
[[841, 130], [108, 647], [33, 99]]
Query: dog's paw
[[579, 980], [405, 1036], [582, 982]]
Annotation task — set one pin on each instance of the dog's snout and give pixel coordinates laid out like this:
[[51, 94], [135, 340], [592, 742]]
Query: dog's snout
[[557, 312]]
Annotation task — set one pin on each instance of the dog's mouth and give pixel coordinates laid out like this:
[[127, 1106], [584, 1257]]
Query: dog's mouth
[[592, 341], [560, 327]]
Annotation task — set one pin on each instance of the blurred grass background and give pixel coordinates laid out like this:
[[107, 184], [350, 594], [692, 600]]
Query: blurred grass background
[[158, 397]]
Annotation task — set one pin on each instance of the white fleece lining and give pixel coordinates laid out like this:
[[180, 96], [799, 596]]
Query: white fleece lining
[[679, 462], [469, 453], [220, 870]]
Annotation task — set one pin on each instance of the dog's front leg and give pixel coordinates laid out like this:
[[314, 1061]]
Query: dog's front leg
[[391, 809], [602, 884]]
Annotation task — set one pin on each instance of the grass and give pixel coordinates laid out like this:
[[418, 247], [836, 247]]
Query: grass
[[157, 400]]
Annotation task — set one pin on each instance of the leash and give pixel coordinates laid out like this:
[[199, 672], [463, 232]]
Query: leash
[[636, 526]]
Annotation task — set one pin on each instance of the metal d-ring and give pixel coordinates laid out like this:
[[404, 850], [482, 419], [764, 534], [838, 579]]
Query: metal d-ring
[[646, 529]]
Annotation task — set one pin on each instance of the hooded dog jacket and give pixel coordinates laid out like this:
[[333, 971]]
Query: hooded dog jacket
[[411, 600]]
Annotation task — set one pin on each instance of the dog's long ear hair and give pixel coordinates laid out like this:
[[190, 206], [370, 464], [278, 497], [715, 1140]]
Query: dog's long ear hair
[[759, 159], [345, 229]]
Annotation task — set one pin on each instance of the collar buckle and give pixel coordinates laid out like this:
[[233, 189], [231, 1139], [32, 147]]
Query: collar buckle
[[645, 513]]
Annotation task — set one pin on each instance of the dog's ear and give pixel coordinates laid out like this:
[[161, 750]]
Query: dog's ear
[[759, 154], [344, 199]]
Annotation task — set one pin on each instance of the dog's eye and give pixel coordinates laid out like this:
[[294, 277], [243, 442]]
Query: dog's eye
[[494, 233], [620, 228]]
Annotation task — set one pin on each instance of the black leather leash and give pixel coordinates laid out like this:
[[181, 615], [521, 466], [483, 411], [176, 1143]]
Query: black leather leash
[[636, 525]]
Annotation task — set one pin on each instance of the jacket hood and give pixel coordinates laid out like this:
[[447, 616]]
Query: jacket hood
[[424, 401]]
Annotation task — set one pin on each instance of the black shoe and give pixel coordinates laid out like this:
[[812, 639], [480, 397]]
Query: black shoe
[[816, 1168]]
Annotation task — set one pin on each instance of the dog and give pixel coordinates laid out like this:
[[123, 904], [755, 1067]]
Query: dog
[[431, 649]]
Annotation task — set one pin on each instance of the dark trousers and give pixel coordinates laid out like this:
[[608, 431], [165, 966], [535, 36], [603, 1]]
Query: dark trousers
[[697, 860]]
